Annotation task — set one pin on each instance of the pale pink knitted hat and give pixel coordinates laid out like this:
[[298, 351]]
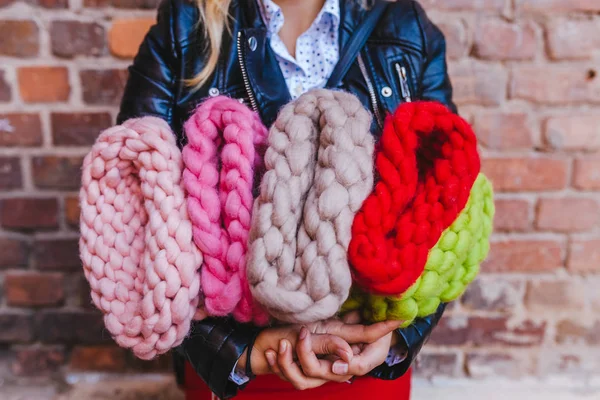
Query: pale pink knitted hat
[[136, 238]]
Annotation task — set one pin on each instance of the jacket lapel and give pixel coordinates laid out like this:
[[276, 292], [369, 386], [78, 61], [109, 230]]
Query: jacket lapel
[[264, 75]]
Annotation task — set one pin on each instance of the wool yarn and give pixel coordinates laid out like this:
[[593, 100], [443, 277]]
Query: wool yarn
[[451, 265], [319, 170], [427, 164], [223, 138], [136, 238]]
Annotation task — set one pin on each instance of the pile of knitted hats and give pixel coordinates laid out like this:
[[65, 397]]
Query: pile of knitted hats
[[169, 236]]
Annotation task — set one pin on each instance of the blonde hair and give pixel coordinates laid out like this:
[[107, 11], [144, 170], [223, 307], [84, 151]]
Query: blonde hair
[[213, 20]]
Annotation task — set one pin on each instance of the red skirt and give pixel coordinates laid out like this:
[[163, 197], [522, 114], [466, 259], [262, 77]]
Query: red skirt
[[270, 387]]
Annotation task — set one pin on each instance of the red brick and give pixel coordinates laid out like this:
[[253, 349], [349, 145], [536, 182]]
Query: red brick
[[43, 84], [484, 331], [20, 130], [38, 361], [10, 173], [496, 39], [81, 129], [587, 173], [572, 84], [512, 215], [488, 5], [144, 4], [72, 211], [5, 91], [526, 174], [493, 295], [456, 38], [73, 38], [573, 38], [103, 87], [573, 132], [126, 35], [85, 327], [573, 332], [14, 253], [430, 365], [560, 295], [25, 289], [24, 213], [57, 254], [557, 6], [503, 131], [584, 256], [98, 358], [19, 38], [452, 330], [494, 365], [524, 256], [52, 172], [16, 327], [567, 214], [480, 84]]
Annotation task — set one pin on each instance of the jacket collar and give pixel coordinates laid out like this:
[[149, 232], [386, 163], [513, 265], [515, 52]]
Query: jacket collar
[[263, 72]]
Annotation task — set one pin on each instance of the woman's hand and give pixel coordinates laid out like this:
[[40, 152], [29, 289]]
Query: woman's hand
[[272, 339], [370, 343]]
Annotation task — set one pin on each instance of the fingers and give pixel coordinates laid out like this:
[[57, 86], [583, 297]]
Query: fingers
[[366, 333], [271, 357], [314, 367], [323, 344], [291, 371], [371, 356], [353, 317]]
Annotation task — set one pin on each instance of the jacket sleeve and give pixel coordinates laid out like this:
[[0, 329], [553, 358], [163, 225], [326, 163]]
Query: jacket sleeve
[[213, 348], [435, 86], [151, 85], [435, 83], [214, 345]]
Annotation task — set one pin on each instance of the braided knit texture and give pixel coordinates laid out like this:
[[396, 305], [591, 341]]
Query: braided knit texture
[[319, 170], [223, 138], [427, 164], [136, 238], [452, 264]]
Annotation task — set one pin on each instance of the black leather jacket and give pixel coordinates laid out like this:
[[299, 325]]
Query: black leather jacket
[[404, 56]]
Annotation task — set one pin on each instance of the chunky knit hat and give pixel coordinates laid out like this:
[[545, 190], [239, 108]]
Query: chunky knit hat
[[220, 157], [136, 238], [421, 234], [319, 170]]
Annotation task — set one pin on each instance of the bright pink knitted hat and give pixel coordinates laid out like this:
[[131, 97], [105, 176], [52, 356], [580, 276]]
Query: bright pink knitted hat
[[220, 157], [136, 238]]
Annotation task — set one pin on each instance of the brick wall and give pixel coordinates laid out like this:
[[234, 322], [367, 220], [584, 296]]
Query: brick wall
[[525, 73]]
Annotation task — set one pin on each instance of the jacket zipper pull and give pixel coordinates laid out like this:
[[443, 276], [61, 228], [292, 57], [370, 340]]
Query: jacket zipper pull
[[404, 83]]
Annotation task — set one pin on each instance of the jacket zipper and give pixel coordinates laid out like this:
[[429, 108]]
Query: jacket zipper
[[404, 87], [249, 91], [372, 93]]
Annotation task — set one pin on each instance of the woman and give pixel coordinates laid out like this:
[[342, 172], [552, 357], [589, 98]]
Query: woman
[[266, 53]]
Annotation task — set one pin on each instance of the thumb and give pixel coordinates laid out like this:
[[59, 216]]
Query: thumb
[[323, 344]]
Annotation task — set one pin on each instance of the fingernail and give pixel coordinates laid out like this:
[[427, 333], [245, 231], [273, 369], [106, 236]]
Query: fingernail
[[270, 358], [282, 346], [303, 333], [340, 368]]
